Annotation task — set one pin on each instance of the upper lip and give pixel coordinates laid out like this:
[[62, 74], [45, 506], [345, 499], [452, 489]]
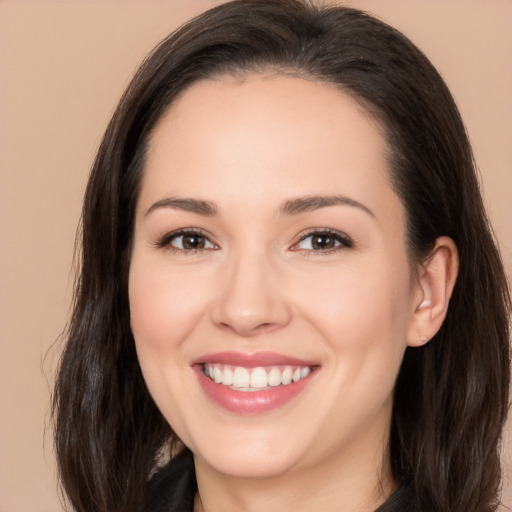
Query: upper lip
[[253, 360]]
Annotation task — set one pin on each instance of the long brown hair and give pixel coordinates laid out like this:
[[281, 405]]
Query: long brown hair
[[451, 396]]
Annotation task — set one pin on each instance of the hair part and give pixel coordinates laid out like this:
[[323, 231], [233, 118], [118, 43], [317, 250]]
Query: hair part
[[451, 396]]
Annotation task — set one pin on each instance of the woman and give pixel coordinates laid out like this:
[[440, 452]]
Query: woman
[[289, 286]]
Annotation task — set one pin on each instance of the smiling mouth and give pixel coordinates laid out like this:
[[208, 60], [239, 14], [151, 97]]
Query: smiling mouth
[[240, 378], [258, 383]]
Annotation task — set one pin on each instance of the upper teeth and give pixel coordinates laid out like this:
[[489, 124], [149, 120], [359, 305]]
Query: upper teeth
[[251, 379]]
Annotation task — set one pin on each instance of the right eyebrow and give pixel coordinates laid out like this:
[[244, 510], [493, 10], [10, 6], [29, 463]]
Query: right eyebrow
[[187, 204]]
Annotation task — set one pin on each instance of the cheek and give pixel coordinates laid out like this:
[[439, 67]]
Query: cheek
[[362, 298], [164, 306], [164, 309], [363, 315]]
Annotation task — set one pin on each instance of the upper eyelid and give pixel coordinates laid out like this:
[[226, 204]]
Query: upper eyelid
[[345, 241], [166, 238], [328, 231]]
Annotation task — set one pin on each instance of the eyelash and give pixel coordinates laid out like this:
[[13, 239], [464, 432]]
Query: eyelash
[[166, 240], [342, 241]]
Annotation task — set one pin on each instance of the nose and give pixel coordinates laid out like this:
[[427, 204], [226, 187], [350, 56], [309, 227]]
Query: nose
[[252, 298]]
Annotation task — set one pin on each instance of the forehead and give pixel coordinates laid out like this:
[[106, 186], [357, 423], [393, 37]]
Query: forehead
[[266, 136], [261, 103]]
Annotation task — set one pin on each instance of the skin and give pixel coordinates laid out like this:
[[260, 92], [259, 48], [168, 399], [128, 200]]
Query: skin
[[249, 146]]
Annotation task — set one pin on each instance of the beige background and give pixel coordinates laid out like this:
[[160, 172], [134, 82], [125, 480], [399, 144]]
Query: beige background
[[63, 65]]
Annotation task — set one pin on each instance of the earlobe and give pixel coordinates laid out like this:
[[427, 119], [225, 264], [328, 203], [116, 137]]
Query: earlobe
[[436, 280]]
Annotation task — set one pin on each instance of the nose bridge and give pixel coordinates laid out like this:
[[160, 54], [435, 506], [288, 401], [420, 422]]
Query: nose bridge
[[250, 299]]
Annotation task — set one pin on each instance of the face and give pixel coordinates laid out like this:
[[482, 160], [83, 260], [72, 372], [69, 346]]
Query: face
[[270, 290]]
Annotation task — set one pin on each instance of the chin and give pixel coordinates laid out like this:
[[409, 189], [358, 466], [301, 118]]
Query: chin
[[250, 466], [248, 455]]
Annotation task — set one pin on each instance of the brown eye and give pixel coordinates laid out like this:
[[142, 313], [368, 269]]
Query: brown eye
[[190, 242], [193, 242], [323, 241]]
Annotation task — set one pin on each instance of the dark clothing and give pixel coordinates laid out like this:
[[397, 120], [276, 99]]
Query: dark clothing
[[173, 487]]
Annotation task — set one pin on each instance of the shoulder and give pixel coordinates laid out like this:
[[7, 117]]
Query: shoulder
[[173, 487]]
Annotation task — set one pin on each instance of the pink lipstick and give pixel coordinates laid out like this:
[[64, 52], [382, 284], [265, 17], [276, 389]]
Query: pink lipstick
[[252, 383]]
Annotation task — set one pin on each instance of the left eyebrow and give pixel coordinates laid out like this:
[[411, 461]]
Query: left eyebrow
[[305, 204]]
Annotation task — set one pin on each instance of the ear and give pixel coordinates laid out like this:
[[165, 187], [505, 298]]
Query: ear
[[434, 287]]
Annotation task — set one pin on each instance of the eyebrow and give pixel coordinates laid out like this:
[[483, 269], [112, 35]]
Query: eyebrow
[[293, 206], [187, 204], [305, 204]]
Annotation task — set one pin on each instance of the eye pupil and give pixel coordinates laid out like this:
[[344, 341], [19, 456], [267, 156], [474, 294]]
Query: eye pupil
[[193, 242], [322, 242]]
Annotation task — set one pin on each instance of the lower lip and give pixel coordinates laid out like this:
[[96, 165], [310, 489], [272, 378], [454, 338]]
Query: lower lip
[[251, 402]]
